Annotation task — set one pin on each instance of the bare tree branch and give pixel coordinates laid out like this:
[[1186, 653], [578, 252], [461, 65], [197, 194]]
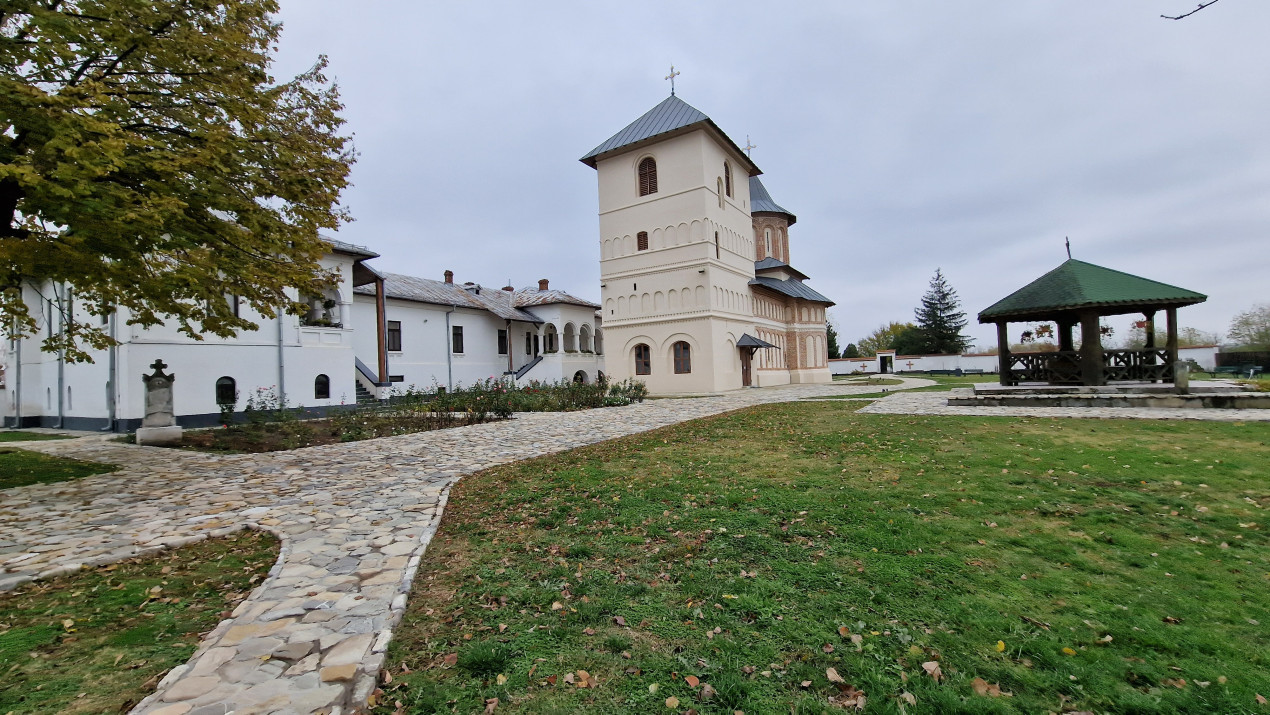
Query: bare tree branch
[[1192, 12]]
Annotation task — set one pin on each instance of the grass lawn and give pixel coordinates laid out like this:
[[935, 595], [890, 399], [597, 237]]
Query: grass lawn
[[12, 436], [100, 640], [1109, 565], [18, 468]]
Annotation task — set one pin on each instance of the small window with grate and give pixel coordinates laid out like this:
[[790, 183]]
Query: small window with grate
[[641, 241], [322, 387], [727, 178]]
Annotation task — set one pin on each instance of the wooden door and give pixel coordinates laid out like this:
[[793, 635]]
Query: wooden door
[[746, 356]]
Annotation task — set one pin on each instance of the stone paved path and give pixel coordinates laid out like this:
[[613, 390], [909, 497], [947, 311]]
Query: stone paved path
[[354, 519], [936, 403]]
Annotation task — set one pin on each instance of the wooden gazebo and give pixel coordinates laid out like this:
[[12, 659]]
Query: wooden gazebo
[[1081, 293]]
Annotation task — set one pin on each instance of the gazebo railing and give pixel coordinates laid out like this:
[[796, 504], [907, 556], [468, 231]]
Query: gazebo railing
[[1143, 365], [1057, 368], [1063, 367]]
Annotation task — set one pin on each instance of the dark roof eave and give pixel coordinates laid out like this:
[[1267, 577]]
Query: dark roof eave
[[791, 218], [706, 124], [1121, 308]]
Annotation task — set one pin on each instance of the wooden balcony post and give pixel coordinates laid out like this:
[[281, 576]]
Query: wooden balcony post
[[381, 329], [1150, 329], [1091, 367], [1003, 353]]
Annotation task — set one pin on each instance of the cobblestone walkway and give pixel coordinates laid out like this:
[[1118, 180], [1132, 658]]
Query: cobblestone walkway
[[354, 519], [936, 403]]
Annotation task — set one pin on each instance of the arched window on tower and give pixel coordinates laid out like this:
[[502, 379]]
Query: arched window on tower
[[643, 360], [683, 358], [720, 192], [641, 241], [767, 242], [647, 176], [727, 178]]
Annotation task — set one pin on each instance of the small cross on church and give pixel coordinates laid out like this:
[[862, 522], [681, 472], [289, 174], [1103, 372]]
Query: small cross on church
[[748, 145], [673, 74]]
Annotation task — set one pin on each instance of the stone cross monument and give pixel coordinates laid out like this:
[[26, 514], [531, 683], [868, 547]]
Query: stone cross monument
[[159, 426]]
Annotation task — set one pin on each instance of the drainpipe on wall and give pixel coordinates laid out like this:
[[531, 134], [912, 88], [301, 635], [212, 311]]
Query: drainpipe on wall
[[449, 352], [282, 367], [112, 409], [17, 384], [61, 356]]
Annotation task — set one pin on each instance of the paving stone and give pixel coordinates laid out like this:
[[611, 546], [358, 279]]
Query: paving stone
[[333, 673]]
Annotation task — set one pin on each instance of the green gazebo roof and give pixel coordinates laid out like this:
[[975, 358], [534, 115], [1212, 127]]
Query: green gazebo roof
[[1077, 285]]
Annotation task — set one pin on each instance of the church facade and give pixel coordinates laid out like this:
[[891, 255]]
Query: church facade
[[697, 291]]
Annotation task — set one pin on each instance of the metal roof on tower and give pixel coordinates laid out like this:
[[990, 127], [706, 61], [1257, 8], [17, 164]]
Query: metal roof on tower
[[761, 201], [671, 117]]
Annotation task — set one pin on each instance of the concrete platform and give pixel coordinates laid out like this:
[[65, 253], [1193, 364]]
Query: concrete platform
[[1206, 387], [1151, 398]]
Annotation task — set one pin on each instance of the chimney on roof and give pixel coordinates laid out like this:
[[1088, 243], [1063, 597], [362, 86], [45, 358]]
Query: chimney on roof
[[542, 284], [469, 283], [509, 289], [449, 276]]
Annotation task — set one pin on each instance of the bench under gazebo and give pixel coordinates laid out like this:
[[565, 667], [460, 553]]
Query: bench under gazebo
[[1080, 293]]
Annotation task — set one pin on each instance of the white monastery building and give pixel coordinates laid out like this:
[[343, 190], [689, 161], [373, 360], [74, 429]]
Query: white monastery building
[[698, 294], [373, 333]]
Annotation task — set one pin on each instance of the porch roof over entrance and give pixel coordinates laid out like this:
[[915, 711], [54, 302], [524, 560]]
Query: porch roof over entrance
[[1077, 285], [749, 341]]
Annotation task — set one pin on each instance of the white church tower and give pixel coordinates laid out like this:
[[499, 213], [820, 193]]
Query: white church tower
[[677, 252]]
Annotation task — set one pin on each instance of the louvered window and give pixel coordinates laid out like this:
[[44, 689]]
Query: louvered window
[[641, 241], [647, 177], [727, 178]]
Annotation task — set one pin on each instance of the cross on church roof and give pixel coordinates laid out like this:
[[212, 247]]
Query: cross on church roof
[[748, 145], [673, 74]]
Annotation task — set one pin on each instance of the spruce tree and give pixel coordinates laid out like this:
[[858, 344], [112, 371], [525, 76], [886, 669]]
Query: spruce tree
[[940, 319], [831, 338]]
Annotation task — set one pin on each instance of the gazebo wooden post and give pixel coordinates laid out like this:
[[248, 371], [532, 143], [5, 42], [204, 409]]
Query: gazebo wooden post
[[1003, 353], [1091, 362], [1149, 342], [1065, 342], [1171, 344]]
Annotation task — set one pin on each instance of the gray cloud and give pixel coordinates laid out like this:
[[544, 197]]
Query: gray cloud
[[907, 136]]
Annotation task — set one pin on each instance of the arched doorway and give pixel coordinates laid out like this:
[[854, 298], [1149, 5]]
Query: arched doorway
[[580, 377]]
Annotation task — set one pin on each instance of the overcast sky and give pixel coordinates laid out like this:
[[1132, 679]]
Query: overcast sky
[[971, 136]]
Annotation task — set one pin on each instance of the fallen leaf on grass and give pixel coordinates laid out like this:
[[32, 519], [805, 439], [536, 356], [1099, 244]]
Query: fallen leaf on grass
[[1068, 651], [556, 605], [805, 684], [1178, 683], [501, 679], [706, 693], [908, 698], [450, 659], [490, 705], [672, 702], [652, 689], [932, 669], [827, 648], [1000, 646], [551, 679], [832, 675], [1261, 699], [692, 681], [983, 687], [619, 620], [844, 631]]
